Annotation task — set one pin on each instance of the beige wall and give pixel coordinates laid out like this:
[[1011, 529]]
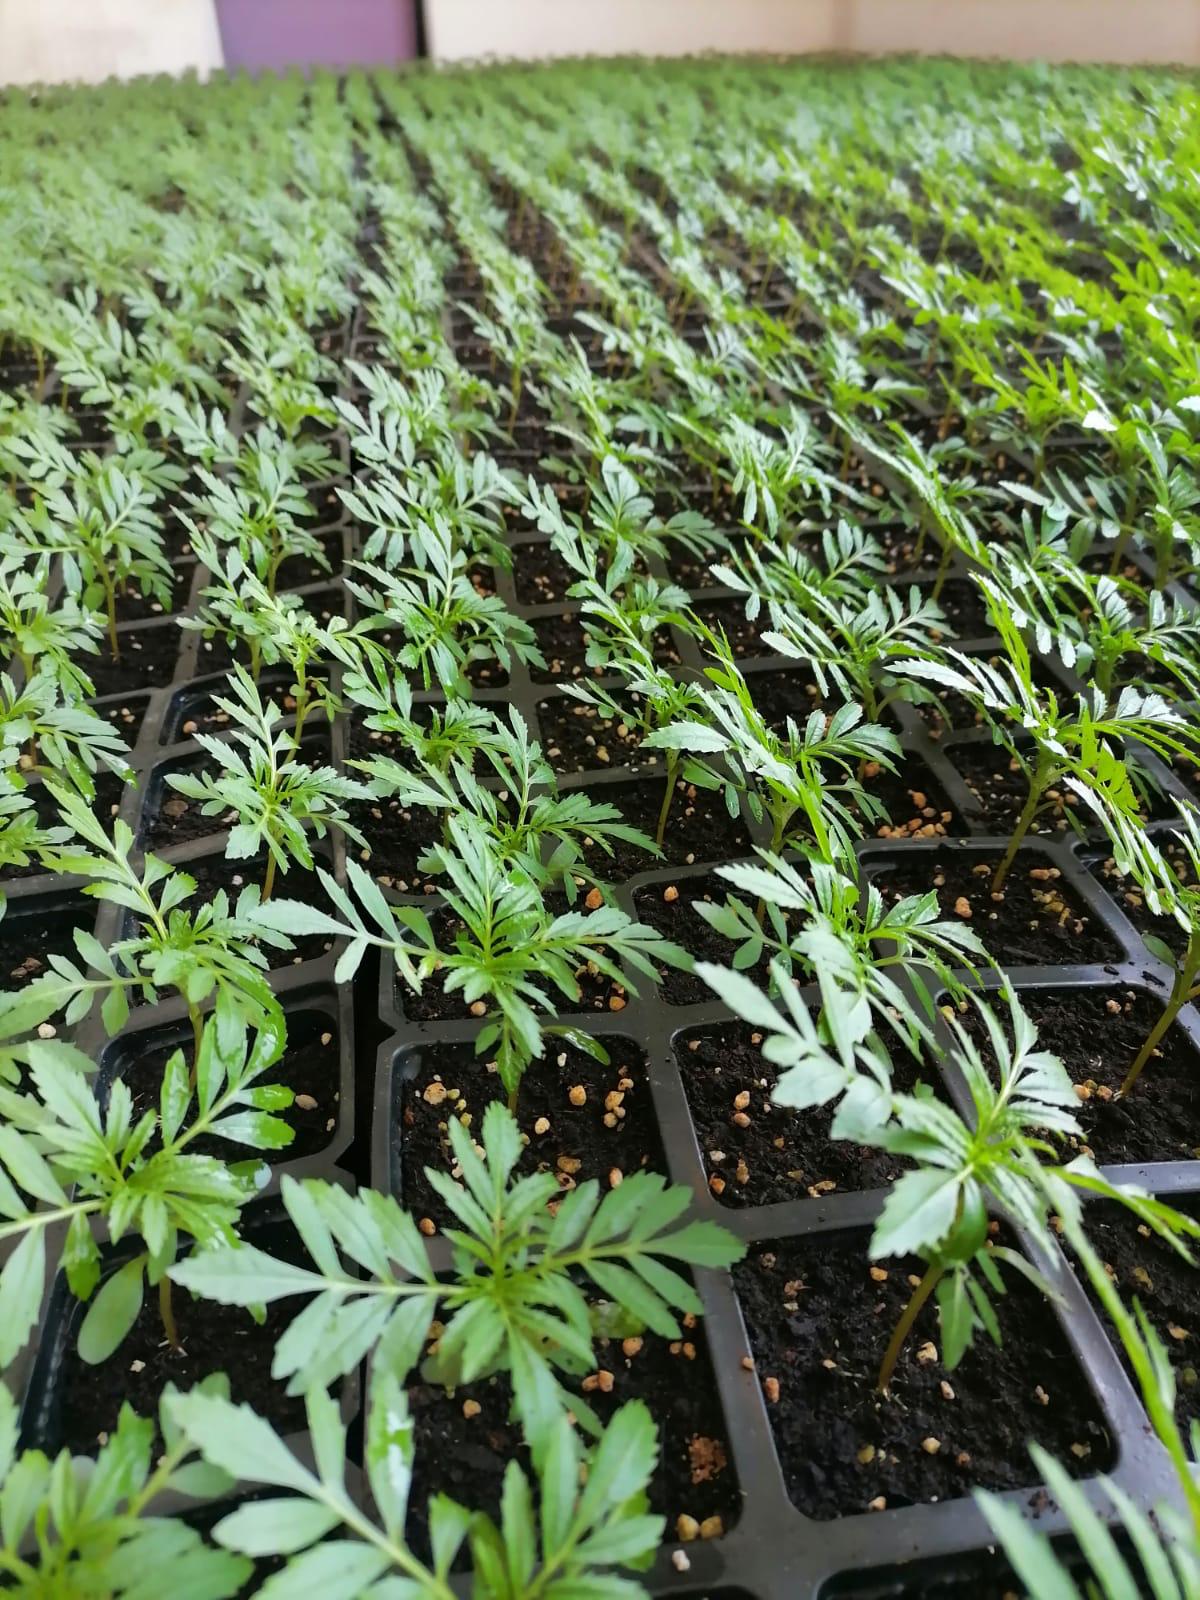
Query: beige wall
[[1101, 30], [57, 41], [466, 28], [1054, 30]]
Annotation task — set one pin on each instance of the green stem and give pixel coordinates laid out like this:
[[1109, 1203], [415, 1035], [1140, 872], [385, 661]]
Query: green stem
[[167, 1312], [197, 1031], [1125, 531], [943, 569], [778, 823], [904, 1327], [268, 879], [110, 601], [668, 795], [1037, 788], [302, 701], [1179, 996]]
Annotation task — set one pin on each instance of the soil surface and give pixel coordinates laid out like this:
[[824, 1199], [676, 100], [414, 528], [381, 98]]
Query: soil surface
[[125, 715], [215, 1338], [671, 909], [820, 1316], [540, 574], [397, 837], [962, 603], [577, 737], [729, 614], [147, 660], [1000, 790], [580, 1119], [29, 939], [465, 1456], [757, 1153], [308, 1066], [196, 711], [563, 640], [699, 827], [1145, 1268], [1129, 896], [134, 606], [1097, 1032], [913, 801], [1035, 921]]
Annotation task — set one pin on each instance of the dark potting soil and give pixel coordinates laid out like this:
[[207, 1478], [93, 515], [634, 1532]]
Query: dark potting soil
[[898, 542], [1000, 789], [1098, 1032], [563, 641], [29, 938], [176, 541], [580, 1119], [297, 571], [215, 1338], [789, 694], [147, 660], [962, 602], [133, 606], [195, 710], [1128, 895], [125, 715], [1145, 1268], [671, 909], [819, 1316], [465, 1456], [913, 801], [699, 828], [729, 615], [693, 572], [171, 818], [308, 1066], [757, 1153], [397, 837], [1036, 921], [540, 574], [578, 738]]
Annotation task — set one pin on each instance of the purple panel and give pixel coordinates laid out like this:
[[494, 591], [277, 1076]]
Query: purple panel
[[276, 34]]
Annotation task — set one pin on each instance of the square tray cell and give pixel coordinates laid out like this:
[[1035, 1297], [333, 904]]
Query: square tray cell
[[820, 1316]]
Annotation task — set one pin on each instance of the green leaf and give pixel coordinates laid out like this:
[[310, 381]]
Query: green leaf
[[22, 1283], [113, 1312], [918, 1213], [240, 1443], [389, 1452], [275, 1527], [242, 1276], [340, 1569]]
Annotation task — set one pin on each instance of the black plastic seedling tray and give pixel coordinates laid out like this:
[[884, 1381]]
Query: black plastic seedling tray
[[773, 1549], [321, 1012], [770, 1548]]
